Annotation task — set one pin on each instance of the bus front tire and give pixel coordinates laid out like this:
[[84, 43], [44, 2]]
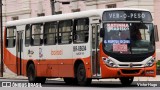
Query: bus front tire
[[31, 74], [126, 81], [81, 76]]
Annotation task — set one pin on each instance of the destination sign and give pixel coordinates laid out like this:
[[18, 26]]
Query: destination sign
[[127, 15]]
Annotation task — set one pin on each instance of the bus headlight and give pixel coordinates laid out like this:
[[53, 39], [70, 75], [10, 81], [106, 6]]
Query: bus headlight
[[150, 62], [109, 62]]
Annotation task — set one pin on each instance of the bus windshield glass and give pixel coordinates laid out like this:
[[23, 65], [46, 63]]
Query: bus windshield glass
[[128, 38]]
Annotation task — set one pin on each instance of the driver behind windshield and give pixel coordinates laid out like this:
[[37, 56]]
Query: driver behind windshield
[[135, 33]]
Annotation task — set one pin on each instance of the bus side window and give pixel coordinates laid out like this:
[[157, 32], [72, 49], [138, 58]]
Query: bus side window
[[81, 30], [11, 37], [37, 34], [50, 33], [27, 35], [65, 32]]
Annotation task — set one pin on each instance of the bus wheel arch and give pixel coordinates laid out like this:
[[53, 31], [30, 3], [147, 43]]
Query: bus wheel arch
[[28, 63], [73, 81], [77, 62], [31, 73], [80, 73]]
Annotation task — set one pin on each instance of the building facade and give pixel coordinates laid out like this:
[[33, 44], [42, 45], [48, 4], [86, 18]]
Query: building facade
[[21, 9]]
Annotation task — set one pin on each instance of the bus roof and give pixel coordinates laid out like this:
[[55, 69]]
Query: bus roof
[[82, 14]]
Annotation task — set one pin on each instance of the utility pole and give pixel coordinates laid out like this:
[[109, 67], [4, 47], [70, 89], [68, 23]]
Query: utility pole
[[1, 35]]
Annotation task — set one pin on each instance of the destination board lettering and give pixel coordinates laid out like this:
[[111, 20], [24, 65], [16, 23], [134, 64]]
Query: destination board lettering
[[131, 15], [127, 15]]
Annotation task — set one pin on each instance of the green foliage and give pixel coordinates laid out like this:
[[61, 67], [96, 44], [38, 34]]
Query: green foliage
[[158, 63]]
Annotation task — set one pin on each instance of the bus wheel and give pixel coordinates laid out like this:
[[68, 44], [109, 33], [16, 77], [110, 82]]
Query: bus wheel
[[81, 76], [41, 80], [126, 81], [31, 74], [69, 81]]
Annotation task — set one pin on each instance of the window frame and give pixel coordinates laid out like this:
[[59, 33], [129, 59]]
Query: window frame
[[14, 37], [61, 32], [45, 34], [75, 30], [30, 31], [40, 34], [111, 6]]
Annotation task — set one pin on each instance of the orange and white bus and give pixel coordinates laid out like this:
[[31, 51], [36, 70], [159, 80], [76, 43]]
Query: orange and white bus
[[81, 46]]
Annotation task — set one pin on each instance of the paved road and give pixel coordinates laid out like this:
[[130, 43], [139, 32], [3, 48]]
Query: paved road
[[96, 85]]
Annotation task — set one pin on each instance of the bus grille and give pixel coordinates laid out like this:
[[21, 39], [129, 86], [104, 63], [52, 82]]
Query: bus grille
[[130, 71], [128, 65]]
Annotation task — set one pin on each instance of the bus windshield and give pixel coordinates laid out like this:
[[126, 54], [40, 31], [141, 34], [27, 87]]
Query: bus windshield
[[128, 38]]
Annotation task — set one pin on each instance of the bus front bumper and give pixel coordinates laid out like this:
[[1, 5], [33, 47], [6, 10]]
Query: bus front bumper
[[108, 72]]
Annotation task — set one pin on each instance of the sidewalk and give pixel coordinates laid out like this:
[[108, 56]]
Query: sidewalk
[[7, 74], [12, 76]]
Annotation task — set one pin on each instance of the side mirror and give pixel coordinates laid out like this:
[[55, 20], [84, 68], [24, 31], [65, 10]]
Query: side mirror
[[102, 32], [156, 33]]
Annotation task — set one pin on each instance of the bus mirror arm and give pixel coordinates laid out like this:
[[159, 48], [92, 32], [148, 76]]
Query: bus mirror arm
[[102, 32], [156, 33]]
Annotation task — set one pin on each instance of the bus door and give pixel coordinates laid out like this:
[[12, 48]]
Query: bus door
[[95, 49], [19, 52]]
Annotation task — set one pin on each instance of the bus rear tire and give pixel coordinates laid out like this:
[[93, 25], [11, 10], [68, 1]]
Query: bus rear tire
[[70, 81], [126, 81], [81, 76], [31, 74], [41, 80]]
